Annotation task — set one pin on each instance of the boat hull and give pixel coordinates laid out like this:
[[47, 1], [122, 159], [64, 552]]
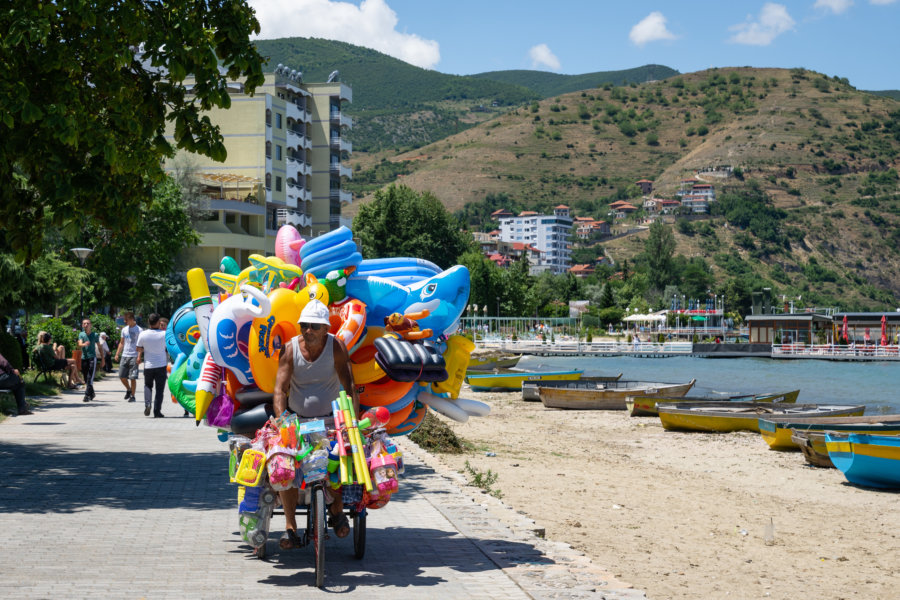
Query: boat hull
[[866, 460], [489, 364], [777, 431], [513, 381], [530, 388], [611, 397], [645, 406], [812, 444], [724, 417]]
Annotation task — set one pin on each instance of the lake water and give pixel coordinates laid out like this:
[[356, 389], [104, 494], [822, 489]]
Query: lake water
[[875, 384]]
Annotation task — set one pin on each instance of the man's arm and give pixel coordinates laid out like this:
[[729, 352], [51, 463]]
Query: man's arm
[[83, 343], [283, 379], [121, 346], [345, 373]]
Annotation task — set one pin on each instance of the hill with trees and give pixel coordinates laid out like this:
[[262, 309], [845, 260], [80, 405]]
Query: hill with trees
[[548, 84], [808, 206]]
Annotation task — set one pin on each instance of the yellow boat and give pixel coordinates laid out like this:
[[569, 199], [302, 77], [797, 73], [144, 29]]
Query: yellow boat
[[513, 380], [742, 416], [645, 406], [776, 431]]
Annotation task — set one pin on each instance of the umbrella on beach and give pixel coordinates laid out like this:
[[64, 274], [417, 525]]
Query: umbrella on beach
[[884, 340], [866, 336], [844, 332]]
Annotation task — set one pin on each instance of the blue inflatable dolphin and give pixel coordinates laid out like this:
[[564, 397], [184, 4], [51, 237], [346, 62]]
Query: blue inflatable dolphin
[[444, 295]]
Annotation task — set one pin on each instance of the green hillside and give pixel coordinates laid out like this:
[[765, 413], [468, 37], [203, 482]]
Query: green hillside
[[895, 94], [395, 104], [552, 84], [813, 203]]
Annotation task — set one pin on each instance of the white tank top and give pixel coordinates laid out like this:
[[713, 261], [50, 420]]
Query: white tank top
[[314, 384]]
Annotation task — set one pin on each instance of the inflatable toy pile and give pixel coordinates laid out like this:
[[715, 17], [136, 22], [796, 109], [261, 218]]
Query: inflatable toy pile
[[396, 316]]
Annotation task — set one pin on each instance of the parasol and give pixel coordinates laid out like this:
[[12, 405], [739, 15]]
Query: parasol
[[844, 332], [884, 340]]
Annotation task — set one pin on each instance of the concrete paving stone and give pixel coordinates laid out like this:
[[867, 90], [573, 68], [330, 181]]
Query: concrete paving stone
[[100, 501]]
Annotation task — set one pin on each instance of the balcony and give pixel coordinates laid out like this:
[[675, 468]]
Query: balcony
[[290, 217], [303, 168], [298, 114], [341, 196], [341, 170], [342, 119], [339, 143]]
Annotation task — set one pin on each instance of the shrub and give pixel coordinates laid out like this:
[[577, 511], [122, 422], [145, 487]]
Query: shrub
[[436, 436], [10, 349], [702, 130], [62, 333], [652, 139], [107, 324]]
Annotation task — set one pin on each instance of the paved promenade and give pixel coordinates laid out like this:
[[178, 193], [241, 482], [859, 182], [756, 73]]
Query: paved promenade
[[98, 501]]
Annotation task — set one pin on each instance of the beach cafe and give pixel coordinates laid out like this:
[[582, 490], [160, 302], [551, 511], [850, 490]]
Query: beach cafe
[[858, 328]]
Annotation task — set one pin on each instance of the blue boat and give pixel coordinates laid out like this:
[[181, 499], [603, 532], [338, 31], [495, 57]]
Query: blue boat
[[866, 460]]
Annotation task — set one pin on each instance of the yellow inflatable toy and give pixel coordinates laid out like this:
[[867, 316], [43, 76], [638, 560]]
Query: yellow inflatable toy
[[269, 334]]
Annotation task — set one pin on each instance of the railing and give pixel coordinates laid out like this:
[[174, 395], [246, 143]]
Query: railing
[[836, 350], [579, 347]]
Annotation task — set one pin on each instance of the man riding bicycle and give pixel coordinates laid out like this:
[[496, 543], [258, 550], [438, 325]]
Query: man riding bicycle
[[312, 368]]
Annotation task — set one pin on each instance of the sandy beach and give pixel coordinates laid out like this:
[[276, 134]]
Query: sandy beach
[[683, 515]]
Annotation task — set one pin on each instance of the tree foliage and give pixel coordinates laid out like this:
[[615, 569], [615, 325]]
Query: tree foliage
[[86, 89], [402, 222], [659, 250]]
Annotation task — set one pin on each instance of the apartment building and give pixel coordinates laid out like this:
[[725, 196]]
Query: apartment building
[[547, 233], [285, 164]]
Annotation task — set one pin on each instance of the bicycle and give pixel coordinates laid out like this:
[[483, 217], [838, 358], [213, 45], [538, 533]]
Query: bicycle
[[312, 505]]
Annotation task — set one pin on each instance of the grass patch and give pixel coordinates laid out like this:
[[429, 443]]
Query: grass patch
[[483, 480], [435, 436]]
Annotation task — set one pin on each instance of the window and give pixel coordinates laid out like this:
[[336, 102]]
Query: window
[[278, 120], [278, 184], [268, 149], [268, 117], [277, 152], [268, 181]]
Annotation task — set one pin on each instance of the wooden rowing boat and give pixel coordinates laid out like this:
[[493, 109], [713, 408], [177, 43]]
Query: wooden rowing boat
[[777, 430], [530, 388], [610, 397], [645, 406], [866, 460], [489, 362], [742, 416], [812, 444], [513, 380]]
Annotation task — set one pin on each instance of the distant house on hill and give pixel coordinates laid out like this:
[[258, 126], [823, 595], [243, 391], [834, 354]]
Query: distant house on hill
[[646, 186], [621, 209], [582, 271], [501, 214], [697, 204]]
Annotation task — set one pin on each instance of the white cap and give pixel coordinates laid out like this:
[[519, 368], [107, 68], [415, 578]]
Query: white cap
[[314, 312], [103, 335]]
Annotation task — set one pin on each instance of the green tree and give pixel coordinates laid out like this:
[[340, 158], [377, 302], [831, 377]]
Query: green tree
[[403, 222], [484, 279], [86, 89], [659, 250]]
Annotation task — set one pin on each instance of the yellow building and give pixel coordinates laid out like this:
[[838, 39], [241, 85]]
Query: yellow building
[[285, 149]]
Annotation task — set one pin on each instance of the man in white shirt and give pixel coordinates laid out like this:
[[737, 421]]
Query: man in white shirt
[[151, 347], [128, 363]]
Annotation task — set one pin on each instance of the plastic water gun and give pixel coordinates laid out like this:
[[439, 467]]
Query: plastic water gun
[[356, 445], [340, 431], [375, 417]]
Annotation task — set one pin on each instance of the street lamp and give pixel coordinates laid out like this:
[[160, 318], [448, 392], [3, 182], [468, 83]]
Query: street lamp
[[82, 254], [157, 287]]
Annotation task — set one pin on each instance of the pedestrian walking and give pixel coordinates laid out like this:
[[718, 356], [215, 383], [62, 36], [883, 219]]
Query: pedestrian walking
[[106, 360], [88, 342], [151, 347], [12, 381], [126, 355]]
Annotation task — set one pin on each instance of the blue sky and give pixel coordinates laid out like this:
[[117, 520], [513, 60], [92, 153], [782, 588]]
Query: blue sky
[[857, 39]]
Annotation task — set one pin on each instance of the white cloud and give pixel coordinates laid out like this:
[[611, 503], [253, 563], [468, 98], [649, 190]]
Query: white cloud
[[651, 29], [836, 7], [372, 24], [773, 21], [542, 56]]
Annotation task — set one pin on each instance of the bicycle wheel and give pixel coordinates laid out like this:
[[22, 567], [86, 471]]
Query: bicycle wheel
[[317, 509], [359, 534]]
